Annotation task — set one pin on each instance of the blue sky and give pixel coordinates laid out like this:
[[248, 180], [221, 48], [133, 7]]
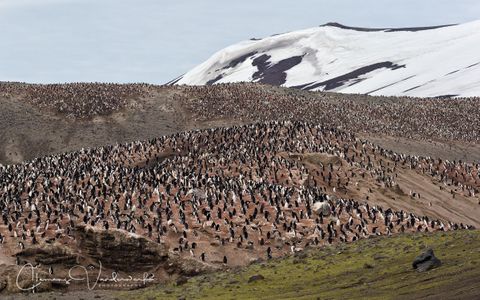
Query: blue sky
[[155, 41]]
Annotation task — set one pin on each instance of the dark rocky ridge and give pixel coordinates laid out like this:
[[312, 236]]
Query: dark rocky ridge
[[273, 74], [119, 249], [172, 82], [365, 29], [268, 73], [235, 62], [354, 75]]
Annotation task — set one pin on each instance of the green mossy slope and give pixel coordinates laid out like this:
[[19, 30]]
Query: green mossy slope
[[377, 268]]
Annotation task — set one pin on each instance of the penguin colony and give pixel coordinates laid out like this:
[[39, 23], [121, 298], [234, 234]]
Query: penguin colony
[[223, 195]]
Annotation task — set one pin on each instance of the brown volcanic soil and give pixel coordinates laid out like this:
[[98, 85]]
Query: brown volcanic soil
[[433, 201]]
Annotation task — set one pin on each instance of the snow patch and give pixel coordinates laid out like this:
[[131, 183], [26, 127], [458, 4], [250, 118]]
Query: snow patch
[[422, 61]]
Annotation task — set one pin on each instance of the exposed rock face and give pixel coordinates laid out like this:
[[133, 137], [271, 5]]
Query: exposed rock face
[[426, 261], [116, 249], [47, 254], [274, 74], [120, 250], [12, 278], [3, 284]]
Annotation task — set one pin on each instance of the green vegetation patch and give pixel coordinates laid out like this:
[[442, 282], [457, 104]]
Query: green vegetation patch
[[375, 268]]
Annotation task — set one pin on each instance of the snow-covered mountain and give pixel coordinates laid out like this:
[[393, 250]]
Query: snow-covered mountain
[[424, 62]]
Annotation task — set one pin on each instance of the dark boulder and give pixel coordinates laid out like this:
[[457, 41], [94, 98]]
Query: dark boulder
[[255, 278], [426, 261]]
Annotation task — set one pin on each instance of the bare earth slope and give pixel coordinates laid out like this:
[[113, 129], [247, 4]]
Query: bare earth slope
[[28, 131]]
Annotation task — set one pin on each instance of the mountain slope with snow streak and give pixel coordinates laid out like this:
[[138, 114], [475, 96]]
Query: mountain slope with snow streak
[[423, 62]]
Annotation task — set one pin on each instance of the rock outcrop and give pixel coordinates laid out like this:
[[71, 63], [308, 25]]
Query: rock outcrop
[[15, 279], [48, 254], [256, 277], [120, 250], [426, 261]]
